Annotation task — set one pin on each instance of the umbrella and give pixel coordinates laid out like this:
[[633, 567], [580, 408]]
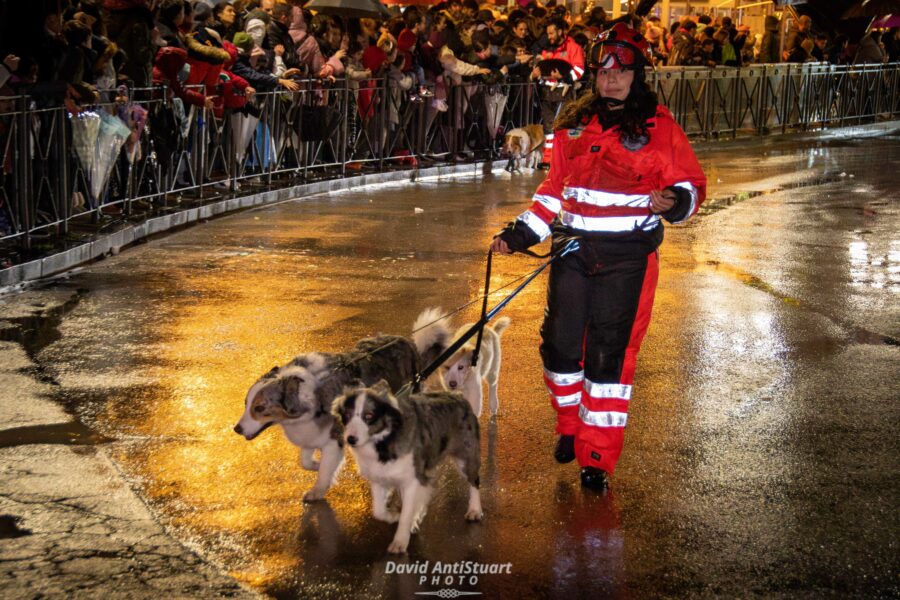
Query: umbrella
[[887, 22], [351, 9], [110, 138], [873, 8], [413, 2]]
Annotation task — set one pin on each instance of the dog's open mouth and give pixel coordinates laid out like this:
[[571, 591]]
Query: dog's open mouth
[[259, 431]]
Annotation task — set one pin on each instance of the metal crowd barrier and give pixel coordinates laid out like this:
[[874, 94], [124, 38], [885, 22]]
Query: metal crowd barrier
[[759, 99], [187, 156]]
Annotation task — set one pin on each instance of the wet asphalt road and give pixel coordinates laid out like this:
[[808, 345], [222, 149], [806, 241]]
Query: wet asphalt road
[[761, 455]]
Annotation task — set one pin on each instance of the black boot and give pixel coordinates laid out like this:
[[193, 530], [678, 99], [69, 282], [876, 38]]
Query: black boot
[[594, 478], [565, 449]]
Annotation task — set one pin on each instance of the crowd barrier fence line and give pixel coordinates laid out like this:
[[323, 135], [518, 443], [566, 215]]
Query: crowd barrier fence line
[[50, 164]]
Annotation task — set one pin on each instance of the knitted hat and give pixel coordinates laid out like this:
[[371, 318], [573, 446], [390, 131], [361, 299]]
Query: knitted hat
[[243, 42]]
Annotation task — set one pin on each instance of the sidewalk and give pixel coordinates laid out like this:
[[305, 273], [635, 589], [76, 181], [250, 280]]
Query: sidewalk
[[71, 526]]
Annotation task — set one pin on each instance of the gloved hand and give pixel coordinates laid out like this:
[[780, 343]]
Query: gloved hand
[[515, 237]]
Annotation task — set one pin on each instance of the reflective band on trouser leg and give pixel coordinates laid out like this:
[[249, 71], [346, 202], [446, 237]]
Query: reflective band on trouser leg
[[565, 396], [604, 406], [548, 148]]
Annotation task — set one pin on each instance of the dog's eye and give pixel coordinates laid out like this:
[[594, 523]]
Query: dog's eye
[[368, 417], [460, 367], [259, 408]]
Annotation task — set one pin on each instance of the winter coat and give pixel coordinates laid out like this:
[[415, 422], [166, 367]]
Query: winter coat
[[166, 67], [768, 50]]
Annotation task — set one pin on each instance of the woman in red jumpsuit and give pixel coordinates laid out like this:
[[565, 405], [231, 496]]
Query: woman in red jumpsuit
[[620, 164]]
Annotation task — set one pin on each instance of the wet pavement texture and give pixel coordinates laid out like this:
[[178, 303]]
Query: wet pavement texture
[[761, 454]]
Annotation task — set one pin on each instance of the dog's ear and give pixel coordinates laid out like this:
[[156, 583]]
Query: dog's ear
[[382, 387], [290, 396], [353, 387]]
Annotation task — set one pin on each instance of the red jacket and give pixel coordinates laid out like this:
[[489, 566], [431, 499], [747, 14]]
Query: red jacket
[[570, 52], [168, 63], [596, 184]]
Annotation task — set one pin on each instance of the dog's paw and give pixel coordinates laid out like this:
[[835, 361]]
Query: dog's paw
[[314, 495], [398, 547], [313, 466], [387, 517], [473, 516]]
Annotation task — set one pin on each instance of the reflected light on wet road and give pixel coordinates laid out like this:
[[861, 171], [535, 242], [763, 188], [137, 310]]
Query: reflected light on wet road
[[727, 461]]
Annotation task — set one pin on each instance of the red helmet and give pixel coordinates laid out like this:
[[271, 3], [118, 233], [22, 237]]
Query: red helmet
[[619, 47]]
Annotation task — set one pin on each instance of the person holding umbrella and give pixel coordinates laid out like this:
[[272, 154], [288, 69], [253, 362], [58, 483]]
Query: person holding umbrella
[[620, 164]]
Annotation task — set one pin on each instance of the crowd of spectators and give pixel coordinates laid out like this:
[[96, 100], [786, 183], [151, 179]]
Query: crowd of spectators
[[92, 46], [218, 54]]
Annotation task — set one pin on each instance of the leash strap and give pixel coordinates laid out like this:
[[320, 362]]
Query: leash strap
[[571, 246], [487, 290]]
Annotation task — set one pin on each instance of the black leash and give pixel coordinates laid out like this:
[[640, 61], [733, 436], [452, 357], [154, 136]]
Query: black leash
[[487, 290], [486, 316]]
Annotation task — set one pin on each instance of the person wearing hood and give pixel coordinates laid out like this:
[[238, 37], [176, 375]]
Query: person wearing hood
[[768, 49], [263, 82], [870, 50]]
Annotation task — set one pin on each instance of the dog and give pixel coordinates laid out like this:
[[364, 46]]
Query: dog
[[299, 395], [458, 374], [399, 441], [524, 142]]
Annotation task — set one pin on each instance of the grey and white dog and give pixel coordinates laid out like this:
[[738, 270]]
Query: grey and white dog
[[399, 441], [299, 395]]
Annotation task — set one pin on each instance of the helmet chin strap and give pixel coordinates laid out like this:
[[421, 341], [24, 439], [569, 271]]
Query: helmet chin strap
[[610, 102]]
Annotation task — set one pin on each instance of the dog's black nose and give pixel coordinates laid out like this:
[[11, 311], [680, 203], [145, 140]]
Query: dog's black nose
[[238, 429], [453, 385], [351, 439]]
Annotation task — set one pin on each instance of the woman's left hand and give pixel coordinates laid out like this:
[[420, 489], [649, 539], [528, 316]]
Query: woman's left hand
[[661, 201]]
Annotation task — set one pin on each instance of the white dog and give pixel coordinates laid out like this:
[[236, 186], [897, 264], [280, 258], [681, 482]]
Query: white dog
[[457, 373], [524, 142]]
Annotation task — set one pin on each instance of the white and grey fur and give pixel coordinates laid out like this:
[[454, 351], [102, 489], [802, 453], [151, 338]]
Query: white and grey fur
[[399, 442], [298, 396]]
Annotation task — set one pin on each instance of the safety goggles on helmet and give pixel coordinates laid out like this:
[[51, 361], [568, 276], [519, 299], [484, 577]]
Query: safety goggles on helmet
[[619, 47]]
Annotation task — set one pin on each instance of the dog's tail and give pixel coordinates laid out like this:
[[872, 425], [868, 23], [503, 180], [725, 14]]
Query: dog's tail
[[431, 334], [500, 325]]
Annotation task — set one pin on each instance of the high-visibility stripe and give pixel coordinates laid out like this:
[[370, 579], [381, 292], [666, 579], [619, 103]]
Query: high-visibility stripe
[[549, 202], [619, 391], [608, 223], [578, 71], [564, 378], [687, 185], [587, 210], [535, 223], [602, 418], [570, 400], [600, 198]]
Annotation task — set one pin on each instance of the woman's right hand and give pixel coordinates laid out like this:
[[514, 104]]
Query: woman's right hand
[[500, 245]]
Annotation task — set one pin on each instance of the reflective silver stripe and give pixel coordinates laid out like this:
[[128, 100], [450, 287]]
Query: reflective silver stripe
[[618, 391], [570, 400], [599, 198], [687, 185], [607, 223], [564, 378], [549, 202], [535, 223], [602, 418]]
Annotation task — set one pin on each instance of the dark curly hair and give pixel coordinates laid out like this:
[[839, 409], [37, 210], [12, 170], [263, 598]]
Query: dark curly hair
[[640, 105]]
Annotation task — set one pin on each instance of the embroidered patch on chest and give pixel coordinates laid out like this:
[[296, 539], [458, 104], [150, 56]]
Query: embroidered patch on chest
[[574, 134]]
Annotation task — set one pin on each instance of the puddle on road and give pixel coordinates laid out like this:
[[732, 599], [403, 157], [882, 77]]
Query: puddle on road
[[9, 528], [856, 334], [69, 434], [716, 204]]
